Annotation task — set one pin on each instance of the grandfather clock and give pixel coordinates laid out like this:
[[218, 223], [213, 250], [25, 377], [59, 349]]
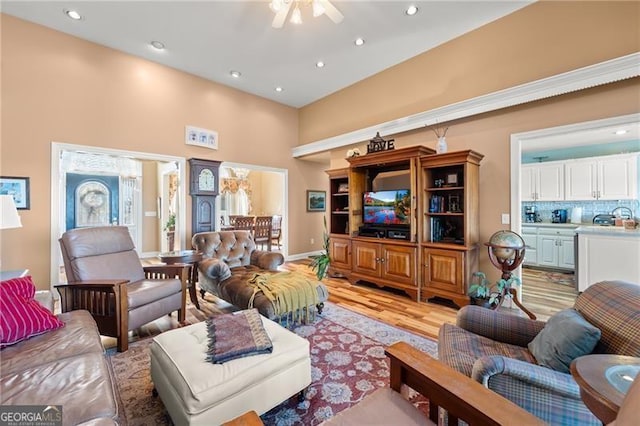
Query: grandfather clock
[[203, 188]]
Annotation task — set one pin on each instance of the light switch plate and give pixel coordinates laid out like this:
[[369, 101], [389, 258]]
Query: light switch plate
[[506, 219]]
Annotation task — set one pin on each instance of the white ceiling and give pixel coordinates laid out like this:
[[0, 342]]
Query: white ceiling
[[211, 38]]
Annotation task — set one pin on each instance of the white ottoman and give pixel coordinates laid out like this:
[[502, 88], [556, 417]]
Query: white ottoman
[[197, 392]]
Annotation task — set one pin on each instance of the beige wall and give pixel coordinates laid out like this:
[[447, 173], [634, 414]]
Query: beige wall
[[540, 40], [59, 88], [267, 196]]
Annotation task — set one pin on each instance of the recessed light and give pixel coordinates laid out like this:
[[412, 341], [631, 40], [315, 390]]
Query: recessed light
[[320, 64], [73, 14], [411, 10], [158, 45], [359, 41], [235, 74], [278, 89], [621, 132]]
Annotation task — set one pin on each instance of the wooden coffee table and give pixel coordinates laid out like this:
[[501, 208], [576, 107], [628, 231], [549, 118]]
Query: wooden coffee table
[[596, 391], [186, 257]]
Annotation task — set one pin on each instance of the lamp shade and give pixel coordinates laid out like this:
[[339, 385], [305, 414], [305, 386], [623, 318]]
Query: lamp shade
[[8, 213]]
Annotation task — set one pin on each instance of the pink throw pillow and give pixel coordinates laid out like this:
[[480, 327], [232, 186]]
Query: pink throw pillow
[[22, 286], [22, 317]]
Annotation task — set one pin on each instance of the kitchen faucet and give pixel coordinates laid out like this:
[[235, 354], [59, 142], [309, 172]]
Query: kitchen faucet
[[613, 212]]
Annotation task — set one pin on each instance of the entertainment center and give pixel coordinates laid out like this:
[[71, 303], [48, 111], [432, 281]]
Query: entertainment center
[[408, 219]]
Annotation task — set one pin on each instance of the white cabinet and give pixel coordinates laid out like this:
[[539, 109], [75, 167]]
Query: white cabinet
[[530, 237], [612, 177], [607, 254], [550, 247], [542, 181]]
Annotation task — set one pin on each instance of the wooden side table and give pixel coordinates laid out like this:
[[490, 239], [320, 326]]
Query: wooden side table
[[187, 257], [597, 392]]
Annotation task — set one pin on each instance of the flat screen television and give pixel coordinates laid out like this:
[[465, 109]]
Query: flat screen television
[[387, 207]]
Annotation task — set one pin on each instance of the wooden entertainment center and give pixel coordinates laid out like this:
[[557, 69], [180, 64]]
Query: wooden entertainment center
[[435, 250]]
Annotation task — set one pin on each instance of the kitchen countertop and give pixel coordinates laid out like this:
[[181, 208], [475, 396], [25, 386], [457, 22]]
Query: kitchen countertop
[[551, 225], [608, 230]]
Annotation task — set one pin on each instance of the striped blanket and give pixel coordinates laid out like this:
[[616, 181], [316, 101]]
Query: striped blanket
[[292, 294]]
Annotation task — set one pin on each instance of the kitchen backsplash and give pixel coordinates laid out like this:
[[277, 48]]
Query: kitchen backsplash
[[589, 208]]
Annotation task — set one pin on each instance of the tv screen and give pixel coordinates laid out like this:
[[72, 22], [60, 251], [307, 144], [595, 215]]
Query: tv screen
[[387, 207]]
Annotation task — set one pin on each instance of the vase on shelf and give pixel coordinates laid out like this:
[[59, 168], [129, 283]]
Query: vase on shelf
[[441, 147]]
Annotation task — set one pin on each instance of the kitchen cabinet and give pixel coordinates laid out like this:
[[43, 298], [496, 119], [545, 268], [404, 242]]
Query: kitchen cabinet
[[607, 253], [542, 181], [530, 237], [553, 247], [612, 177], [386, 264]]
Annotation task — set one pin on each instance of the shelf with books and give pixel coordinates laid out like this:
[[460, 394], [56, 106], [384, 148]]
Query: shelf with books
[[450, 228]]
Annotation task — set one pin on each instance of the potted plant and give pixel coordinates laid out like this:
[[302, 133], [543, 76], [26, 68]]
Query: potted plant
[[170, 228], [481, 292], [171, 223], [320, 262]]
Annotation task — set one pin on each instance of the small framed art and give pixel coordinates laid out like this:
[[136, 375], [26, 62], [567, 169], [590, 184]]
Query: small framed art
[[18, 187], [316, 201]]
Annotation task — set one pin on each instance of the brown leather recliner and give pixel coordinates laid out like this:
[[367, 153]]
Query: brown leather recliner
[[230, 261], [106, 278]]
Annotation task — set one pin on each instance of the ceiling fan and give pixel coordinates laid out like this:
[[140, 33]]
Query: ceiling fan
[[320, 7]]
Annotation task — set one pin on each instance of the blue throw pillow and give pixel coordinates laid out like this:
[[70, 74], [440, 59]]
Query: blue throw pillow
[[566, 336]]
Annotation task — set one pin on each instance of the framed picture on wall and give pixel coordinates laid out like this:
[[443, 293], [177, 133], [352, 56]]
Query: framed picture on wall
[[316, 201], [18, 187]]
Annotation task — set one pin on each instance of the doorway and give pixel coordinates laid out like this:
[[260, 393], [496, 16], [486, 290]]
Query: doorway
[[256, 191], [93, 186], [584, 136]]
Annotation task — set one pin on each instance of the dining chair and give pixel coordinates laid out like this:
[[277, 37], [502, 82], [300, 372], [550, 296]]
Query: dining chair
[[232, 219], [276, 229], [262, 231], [244, 223]]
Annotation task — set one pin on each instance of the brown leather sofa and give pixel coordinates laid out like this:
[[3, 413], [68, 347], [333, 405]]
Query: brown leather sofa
[[230, 261], [64, 367]]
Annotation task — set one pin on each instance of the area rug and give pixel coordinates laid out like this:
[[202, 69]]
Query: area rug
[[348, 363]]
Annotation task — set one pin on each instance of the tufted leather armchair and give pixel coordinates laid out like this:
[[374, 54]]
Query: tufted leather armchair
[[230, 260], [106, 278]]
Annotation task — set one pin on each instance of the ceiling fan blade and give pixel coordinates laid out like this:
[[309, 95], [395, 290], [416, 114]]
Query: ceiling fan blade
[[331, 11], [281, 16]]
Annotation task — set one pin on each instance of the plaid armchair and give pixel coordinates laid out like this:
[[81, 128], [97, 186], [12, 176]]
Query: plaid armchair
[[491, 347]]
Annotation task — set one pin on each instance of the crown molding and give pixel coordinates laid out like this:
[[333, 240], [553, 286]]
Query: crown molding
[[606, 72]]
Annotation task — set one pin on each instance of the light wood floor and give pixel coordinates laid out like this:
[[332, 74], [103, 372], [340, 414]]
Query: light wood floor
[[541, 296]]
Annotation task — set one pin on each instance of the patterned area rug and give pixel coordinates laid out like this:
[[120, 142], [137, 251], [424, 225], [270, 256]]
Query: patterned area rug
[[348, 363]]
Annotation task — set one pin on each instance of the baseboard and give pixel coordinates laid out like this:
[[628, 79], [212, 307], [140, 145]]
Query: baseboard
[[300, 256]]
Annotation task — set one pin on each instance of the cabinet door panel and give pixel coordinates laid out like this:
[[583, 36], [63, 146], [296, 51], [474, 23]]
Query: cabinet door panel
[[547, 250], [443, 270], [399, 263], [616, 179], [580, 181], [566, 254], [550, 182], [366, 258], [340, 251], [527, 183]]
